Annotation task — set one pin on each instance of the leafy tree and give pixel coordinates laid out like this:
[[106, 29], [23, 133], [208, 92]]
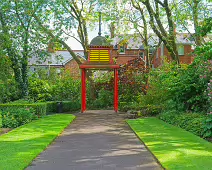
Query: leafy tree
[[190, 14], [20, 38]]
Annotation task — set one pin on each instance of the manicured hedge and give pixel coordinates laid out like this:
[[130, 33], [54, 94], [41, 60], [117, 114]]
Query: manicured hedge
[[70, 106], [40, 108], [66, 106], [148, 110], [192, 122], [51, 107]]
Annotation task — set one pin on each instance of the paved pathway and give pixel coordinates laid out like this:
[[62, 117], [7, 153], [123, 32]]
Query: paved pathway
[[96, 140]]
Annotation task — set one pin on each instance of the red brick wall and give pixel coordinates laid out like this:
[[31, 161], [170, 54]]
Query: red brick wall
[[74, 69], [187, 58], [124, 57]]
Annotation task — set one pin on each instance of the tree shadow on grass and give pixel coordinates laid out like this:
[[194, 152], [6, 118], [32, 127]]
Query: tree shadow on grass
[[20, 146], [174, 147]]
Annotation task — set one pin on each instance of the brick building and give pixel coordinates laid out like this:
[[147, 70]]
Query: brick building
[[124, 50], [184, 47], [60, 59]]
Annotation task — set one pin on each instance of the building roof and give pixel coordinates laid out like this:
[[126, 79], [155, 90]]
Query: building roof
[[136, 42], [185, 38], [58, 58], [98, 41]]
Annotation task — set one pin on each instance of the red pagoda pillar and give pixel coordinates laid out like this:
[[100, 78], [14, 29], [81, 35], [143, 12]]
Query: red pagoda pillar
[[115, 90], [83, 91]]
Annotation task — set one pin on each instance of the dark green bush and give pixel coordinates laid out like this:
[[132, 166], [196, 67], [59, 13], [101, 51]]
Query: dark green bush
[[13, 117], [192, 122], [148, 110], [104, 100], [51, 107], [70, 106], [39, 90], [66, 88], [40, 108], [66, 106], [208, 127]]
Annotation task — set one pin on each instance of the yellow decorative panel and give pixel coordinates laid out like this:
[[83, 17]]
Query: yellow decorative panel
[[99, 56]]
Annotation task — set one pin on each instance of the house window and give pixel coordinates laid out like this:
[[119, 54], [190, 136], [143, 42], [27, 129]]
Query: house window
[[141, 54], [180, 49], [122, 49]]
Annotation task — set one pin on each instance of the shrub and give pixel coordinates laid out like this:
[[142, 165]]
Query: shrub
[[70, 106], [208, 127], [52, 107], [148, 110], [66, 88], [192, 122], [14, 117], [39, 90], [104, 100], [40, 108]]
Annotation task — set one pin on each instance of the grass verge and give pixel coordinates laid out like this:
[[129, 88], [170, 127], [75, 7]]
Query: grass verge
[[175, 148], [20, 146]]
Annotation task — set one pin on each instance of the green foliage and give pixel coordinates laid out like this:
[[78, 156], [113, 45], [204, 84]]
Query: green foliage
[[51, 107], [71, 106], [66, 88], [39, 90], [103, 100], [14, 117], [206, 27], [161, 81], [8, 86], [207, 132], [180, 88], [192, 122], [40, 108], [147, 110], [67, 106]]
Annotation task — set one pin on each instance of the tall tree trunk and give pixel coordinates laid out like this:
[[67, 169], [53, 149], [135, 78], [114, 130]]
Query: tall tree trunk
[[196, 24], [24, 89], [156, 23]]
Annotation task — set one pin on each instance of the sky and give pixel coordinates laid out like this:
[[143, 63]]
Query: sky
[[75, 45]]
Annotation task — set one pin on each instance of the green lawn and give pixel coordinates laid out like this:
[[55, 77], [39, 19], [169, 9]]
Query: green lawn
[[20, 146], [175, 148]]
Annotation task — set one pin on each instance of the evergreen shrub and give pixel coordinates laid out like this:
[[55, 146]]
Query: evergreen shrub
[[13, 117], [40, 108], [192, 122]]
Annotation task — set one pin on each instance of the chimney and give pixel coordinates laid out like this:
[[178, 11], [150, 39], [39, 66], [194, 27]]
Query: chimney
[[112, 30], [50, 48]]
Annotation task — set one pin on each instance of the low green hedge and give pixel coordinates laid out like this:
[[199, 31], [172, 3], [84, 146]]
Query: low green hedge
[[51, 107], [40, 108], [149, 110], [67, 106], [70, 106], [192, 122]]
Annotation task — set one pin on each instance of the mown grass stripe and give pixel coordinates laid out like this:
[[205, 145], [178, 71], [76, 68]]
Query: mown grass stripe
[[175, 148], [20, 146]]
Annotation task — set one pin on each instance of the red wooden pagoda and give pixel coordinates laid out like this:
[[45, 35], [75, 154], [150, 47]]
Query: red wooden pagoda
[[99, 57]]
